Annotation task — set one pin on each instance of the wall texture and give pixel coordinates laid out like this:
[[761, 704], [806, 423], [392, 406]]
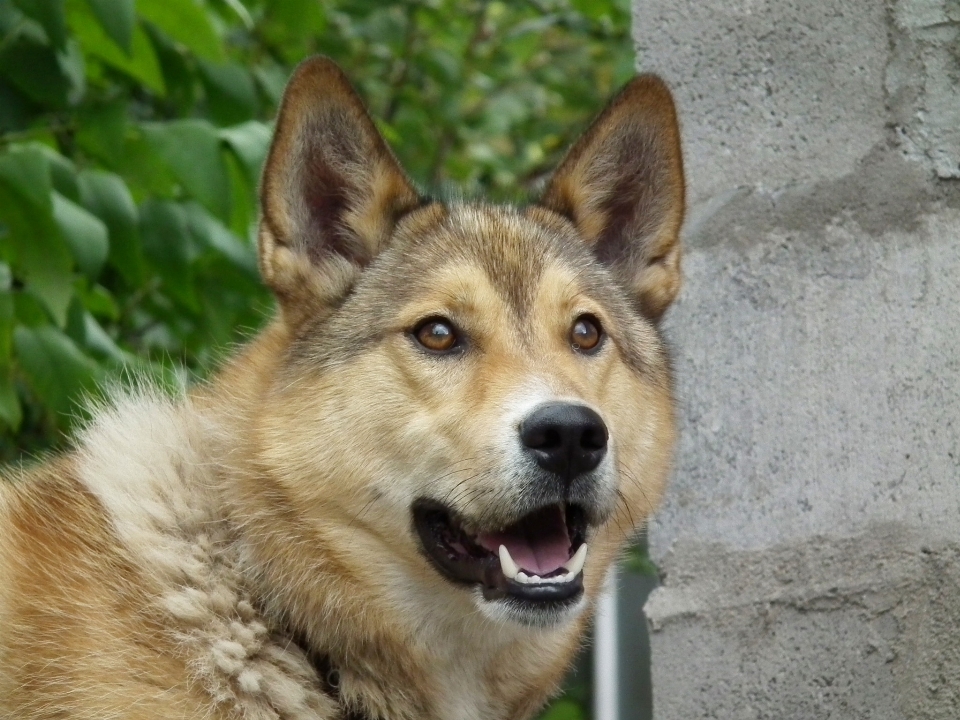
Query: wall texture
[[810, 543]]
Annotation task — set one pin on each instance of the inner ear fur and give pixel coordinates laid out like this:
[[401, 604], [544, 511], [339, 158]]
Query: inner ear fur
[[622, 187], [332, 191]]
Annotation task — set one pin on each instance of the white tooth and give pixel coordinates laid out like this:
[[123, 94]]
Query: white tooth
[[523, 577], [507, 564], [575, 564]]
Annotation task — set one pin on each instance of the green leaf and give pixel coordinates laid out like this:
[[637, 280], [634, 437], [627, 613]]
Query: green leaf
[[231, 93], [249, 142], [211, 233], [10, 410], [102, 130], [16, 109], [63, 173], [141, 63], [167, 245], [191, 150], [243, 199], [272, 79], [117, 18], [41, 257], [27, 171], [98, 300], [73, 67], [35, 70], [187, 23], [55, 368], [53, 283], [107, 196], [29, 310], [85, 234], [75, 329], [50, 15], [143, 169], [179, 72], [99, 342]]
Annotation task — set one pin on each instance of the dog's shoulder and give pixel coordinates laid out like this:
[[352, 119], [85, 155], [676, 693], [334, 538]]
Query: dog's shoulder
[[119, 551]]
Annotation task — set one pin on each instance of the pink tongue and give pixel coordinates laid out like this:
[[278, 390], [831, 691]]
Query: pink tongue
[[538, 544]]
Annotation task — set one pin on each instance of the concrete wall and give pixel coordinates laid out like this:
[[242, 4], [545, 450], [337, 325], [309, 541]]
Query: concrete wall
[[810, 543]]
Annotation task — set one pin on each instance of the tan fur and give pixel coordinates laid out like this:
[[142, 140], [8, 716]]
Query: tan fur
[[184, 557]]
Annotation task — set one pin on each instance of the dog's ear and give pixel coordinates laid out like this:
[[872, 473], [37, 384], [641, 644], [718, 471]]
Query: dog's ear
[[622, 187], [331, 192]]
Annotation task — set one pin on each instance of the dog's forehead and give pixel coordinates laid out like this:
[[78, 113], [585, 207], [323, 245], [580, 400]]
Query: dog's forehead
[[514, 252]]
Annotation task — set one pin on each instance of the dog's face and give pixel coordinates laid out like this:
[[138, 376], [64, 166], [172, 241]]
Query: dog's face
[[475, 404]]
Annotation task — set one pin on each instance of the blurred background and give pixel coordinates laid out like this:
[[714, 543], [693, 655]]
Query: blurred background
[[131, 139]]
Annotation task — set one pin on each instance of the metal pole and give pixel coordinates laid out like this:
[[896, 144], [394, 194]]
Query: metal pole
[[606, 661]]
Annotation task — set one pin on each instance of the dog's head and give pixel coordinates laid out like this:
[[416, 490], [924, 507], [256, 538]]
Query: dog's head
[[474, 404]]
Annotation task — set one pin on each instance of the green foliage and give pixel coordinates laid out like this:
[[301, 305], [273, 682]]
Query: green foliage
[[638, 560], [132, 136], [564, 709]]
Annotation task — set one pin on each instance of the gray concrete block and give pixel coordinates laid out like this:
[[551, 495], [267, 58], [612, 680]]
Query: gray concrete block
[[770, 92], [809, 538], [817, 351], [865, 627], [809, 541], [773, 93]]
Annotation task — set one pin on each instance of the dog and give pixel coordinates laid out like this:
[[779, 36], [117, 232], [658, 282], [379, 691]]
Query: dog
[[400, 500]]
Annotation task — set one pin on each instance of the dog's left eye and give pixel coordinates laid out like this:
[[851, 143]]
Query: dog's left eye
[[436, 334], [586, 333]]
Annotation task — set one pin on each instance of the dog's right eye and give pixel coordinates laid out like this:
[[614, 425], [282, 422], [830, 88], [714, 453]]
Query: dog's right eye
[[437, 335]]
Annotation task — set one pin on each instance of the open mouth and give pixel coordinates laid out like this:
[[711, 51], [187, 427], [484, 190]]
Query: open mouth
[[537, 560]]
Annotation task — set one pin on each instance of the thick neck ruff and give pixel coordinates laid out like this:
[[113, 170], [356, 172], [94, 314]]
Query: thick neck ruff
[[151, 460]]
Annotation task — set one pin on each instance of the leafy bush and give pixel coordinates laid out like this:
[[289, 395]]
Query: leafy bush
[[131, 139]]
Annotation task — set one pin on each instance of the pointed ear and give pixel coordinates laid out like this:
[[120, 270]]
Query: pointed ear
[[622, 187], [331, 192]]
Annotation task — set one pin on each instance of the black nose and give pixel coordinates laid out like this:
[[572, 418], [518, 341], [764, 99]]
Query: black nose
[[565, 438]]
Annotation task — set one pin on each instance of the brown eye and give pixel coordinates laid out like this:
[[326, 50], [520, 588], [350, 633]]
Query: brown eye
[[437, 335], [585, 335]]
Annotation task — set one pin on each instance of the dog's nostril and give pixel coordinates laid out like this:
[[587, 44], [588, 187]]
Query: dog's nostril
[[551, 439], [594, 438], [539, 436]]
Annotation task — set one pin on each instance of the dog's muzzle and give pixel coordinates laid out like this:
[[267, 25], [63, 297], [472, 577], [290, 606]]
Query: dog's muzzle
[[532, 554]]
